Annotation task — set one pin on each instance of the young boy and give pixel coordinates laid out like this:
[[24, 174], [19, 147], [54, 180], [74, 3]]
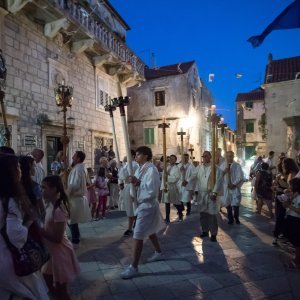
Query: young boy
[[148, 217]]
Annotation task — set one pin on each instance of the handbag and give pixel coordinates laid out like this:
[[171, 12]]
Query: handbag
[[32, 256]]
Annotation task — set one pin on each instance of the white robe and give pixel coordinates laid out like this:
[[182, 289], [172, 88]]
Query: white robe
[[79, 207], [204, 188], [149, 219], [232, 197], [172, 194], [31, 286], [126, 201], [39, 174], [185, 191]]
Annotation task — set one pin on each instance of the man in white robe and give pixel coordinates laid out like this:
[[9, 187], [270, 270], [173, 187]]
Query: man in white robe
[[76, 191], [149, 219], [233, 181], [186, 182], [40, 173], [170, 191], [127, 202], [207, 197]]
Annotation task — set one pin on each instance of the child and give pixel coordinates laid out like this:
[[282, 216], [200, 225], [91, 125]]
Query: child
[[63, 267], [91, 193], [101, 184]]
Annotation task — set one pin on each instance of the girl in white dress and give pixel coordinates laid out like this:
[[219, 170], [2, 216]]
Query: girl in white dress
[[11, 209]]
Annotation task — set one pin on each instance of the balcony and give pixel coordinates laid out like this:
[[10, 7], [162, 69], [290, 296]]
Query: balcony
[[85, 32]]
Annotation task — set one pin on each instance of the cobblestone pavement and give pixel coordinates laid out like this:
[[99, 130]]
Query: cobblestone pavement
[[242, 265]]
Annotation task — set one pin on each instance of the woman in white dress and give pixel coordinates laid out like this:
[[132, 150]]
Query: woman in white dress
[[11, 209]]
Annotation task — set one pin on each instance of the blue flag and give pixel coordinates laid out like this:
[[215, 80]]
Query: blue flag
[[288, 19]]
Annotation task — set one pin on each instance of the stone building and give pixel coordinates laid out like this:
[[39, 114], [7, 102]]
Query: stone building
[[174, 92], [251, 124], [80, 43], [282, 103]]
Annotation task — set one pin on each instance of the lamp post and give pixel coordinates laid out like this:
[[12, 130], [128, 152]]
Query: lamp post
[[163, 126], [3, 71], [214, 119], [63, 99]]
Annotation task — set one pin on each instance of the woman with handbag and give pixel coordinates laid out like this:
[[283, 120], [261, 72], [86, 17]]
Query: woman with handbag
[[15, 232], [63, 267]]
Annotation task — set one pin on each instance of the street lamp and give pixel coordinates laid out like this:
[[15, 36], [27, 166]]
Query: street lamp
[[3, 71], [63, 99]]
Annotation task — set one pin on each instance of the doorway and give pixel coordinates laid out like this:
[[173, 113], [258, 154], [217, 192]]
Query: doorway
[[53, 146]]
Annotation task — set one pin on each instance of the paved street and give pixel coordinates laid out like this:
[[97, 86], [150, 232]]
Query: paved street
[[242, 265]]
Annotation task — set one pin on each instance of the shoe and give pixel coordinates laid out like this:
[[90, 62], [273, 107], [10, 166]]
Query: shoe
[[75, 246], [203, 235], [213, 238], [180, 220], [129, 272], [128, 233], [230, 222], [167, 221], [281, 236], [274, 242], [237, 221], [155, 257]]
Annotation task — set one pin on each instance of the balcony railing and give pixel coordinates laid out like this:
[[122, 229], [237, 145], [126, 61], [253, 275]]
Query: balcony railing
[[100, 33]]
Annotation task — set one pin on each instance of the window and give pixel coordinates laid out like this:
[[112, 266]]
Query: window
[[249, 104], [102, 99], [3, 139], [159, 98], [249, 151], [249, 127], [149, 136]]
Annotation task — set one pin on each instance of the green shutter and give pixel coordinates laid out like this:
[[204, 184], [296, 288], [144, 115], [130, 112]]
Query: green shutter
[[249, 151], [249, 127], [149, 136]]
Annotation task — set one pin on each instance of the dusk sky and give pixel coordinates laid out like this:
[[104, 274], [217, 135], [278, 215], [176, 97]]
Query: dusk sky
[[214, 33]]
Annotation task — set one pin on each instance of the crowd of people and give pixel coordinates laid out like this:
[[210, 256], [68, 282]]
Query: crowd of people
[[34, 202], [277, 185]]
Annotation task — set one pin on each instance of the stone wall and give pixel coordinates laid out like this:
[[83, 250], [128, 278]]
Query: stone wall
[[29, 56], [282, 101]]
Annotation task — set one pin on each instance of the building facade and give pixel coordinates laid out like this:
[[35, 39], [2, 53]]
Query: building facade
[[251, 124], [79, 43], [176, 93], [282, 102]]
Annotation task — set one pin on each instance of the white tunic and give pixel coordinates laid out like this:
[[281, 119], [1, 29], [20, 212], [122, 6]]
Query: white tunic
[[185, 191], [31, 286], [232, 197], [125, 200], [204, 188], [79, 208], [172, 194], [149, 219], [39, 174]]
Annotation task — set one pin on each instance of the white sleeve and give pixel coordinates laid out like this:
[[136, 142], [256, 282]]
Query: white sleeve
[[17, 233]]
